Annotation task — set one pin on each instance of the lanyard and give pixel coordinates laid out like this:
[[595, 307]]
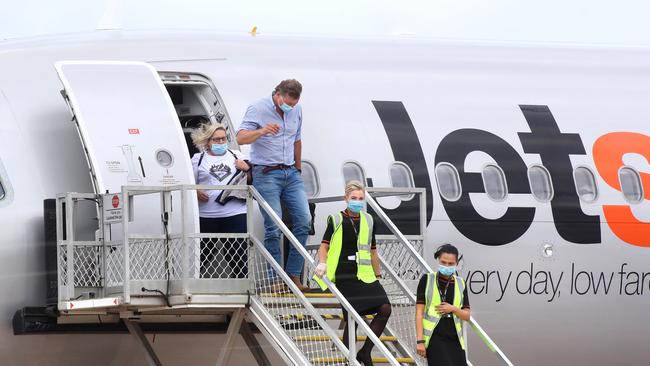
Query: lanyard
[[443, 295], [356, 233]]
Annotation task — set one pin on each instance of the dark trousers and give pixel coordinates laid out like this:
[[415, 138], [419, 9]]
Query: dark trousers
[[235, 251]]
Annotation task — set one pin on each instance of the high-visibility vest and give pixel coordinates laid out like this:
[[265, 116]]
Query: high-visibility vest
[[365, 272], [431, 317]]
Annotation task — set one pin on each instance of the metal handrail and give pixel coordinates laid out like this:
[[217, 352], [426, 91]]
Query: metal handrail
[[352, 314], [425, 266], [299, 295]]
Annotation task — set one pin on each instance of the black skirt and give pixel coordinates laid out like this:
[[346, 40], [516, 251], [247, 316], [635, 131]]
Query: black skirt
[[443, 351], [362, 296]]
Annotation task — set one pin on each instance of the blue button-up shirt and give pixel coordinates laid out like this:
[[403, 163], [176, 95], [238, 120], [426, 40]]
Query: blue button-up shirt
[[272, 149]]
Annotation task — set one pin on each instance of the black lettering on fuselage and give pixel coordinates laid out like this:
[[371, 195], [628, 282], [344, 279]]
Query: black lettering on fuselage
[[453, 149], [554, 148]]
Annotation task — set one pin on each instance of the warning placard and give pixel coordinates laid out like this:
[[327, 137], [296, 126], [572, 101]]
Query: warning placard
[[112, 208]]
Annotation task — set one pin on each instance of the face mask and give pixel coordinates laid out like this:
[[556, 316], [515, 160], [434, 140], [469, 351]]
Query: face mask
[[446, 271], [285, 107], [219, 149], [355, 206]]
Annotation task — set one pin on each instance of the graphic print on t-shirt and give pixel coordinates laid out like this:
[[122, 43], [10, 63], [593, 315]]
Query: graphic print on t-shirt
[[221, 171]]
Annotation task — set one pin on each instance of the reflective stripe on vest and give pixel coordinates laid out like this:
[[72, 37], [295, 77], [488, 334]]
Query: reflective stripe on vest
[[365, 272], [431, 318]]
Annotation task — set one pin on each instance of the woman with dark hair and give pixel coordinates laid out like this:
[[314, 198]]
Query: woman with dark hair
[[442, 304]]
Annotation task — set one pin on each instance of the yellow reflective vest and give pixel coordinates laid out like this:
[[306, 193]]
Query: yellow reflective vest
[[431, 317], [365, 272]]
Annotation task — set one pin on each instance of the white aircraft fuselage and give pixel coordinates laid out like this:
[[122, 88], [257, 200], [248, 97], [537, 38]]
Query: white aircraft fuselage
[[557, 271]]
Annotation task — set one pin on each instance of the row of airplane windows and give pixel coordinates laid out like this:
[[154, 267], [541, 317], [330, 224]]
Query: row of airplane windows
[[494, 181]]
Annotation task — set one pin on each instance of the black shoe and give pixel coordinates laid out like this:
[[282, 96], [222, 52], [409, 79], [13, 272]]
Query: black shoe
[[365, 359]]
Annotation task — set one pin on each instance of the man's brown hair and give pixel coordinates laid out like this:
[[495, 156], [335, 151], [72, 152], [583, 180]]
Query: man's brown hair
[[290, 87]]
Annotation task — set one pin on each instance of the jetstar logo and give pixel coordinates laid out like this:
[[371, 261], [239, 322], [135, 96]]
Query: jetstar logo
[[554, 148]]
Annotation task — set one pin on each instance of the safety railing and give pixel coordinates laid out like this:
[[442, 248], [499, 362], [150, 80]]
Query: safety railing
[[163, 258], [169, 260], [402, 264], [353, 317], [291, 313], [421, 266], [398, 268], [80, 264]]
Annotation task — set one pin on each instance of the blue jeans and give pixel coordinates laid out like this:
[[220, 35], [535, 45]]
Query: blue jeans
[[284, 186]]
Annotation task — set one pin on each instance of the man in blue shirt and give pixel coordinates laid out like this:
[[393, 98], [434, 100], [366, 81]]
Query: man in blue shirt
[[272, 126]]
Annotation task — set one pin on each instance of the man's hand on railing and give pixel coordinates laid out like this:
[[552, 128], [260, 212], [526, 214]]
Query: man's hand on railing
[[321, 269]]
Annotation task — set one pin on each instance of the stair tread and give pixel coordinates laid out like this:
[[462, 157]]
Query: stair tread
[[301, 316], [374, 360], [309, 295], [326, 338]]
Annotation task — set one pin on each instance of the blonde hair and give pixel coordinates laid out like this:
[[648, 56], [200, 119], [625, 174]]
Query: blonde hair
[[353, 185], [204, 132]]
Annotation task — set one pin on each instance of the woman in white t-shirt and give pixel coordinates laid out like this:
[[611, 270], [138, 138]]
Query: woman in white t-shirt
[[215, 164]]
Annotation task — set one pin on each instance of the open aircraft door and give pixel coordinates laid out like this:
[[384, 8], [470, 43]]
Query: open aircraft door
[[130, 133]]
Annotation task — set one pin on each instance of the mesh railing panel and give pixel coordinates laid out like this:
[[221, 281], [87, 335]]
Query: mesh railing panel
[[399, 258], [214, 257], [402, 319], [87, 265], [221, 257], [291, 315], [151, 259], [114, 264]]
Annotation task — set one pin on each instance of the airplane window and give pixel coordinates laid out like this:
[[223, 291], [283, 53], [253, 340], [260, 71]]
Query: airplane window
[[310, 177], [401, 176], [448, 182], [353, 171], [494, 181], [630, 184], [585, 184], [540, 183]]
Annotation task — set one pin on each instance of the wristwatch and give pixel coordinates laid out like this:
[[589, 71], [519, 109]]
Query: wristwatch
[[421, 341]]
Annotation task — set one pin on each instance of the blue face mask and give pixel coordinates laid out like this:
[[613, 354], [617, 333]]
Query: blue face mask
[[219, 149], [355, 206], [285, 107], [446, 271]]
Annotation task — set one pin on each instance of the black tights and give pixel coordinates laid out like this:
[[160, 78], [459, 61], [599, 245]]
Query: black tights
[[377, 325]]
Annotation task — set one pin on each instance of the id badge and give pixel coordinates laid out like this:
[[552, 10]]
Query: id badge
[[352, 257]]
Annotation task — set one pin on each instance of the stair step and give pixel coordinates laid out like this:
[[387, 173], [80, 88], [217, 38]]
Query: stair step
[[326, 360], [318, 338], [325, 316], [309, 295]]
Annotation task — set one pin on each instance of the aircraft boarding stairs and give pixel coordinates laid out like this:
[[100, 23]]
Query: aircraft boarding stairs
[[135, 273]]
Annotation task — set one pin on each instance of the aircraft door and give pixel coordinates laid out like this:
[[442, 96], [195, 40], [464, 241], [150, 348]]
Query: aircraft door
[[130, 132]]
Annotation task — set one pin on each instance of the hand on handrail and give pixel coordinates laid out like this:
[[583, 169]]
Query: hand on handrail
[[321, 269]]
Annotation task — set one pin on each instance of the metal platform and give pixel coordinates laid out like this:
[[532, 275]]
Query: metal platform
[[149, 268]]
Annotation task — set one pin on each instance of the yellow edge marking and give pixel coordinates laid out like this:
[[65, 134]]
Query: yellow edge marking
[[307, 295], [326, 316], [377, 360], [359, 338]]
